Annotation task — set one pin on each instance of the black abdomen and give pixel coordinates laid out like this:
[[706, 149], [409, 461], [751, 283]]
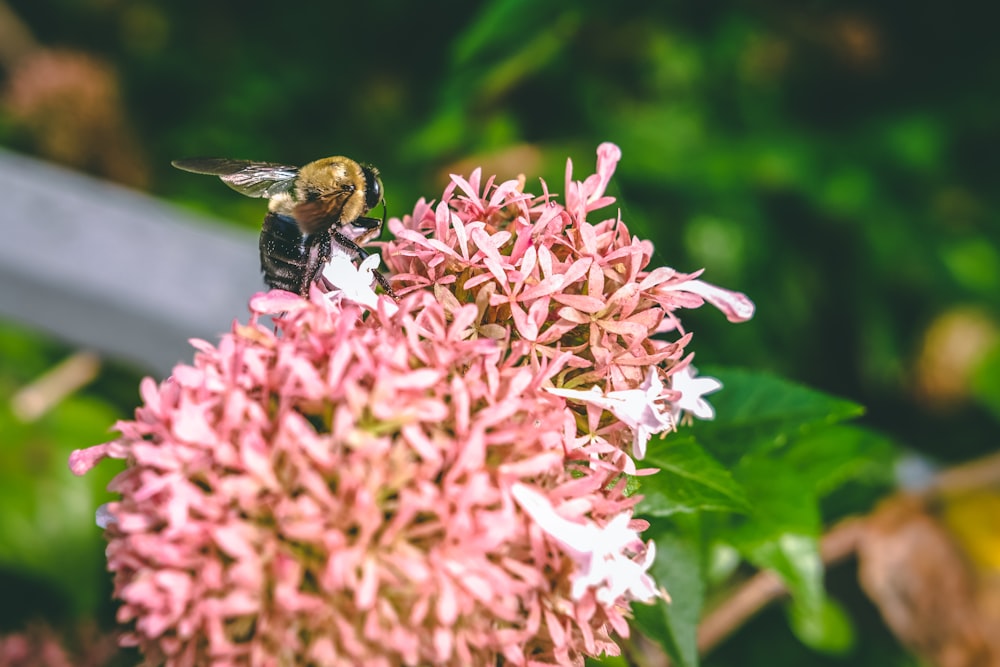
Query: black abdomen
[[290, 260]]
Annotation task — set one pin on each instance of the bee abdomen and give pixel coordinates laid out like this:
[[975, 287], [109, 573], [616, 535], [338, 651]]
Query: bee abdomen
[[288, 260]]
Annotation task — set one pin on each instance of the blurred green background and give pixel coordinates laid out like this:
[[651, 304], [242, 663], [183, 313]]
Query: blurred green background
[[836, 161]]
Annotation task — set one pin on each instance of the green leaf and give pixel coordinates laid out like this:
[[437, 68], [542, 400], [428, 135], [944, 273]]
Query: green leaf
[[795, 558], [689, 480], [758, 412], [985, 380], [47, 527], [830, 631], [781, 501], [678, 568], [495, 26], [828, 458], [782, 531]]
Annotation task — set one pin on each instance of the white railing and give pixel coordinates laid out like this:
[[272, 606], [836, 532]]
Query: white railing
[[110, 269]]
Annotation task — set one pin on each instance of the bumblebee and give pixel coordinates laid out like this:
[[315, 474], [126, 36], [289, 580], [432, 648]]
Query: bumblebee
[[309, 209]]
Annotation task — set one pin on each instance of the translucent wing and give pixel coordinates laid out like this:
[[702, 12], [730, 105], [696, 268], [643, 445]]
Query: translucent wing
[[253, 179]]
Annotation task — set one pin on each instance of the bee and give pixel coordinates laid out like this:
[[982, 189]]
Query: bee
[[309, 209]]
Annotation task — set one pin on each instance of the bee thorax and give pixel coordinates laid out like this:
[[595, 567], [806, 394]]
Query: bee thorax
[[281, 203]]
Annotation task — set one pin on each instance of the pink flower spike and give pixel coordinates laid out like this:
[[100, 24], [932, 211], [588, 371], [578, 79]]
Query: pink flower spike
[[692, 389], [600, 553], [637, 408]]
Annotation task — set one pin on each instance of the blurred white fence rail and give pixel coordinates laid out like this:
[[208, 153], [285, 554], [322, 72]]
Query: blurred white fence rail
[[110, 269]]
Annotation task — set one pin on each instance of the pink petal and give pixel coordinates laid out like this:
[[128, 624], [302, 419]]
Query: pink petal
[[736, 306], [581, 302], [276, 301], [82, 460]]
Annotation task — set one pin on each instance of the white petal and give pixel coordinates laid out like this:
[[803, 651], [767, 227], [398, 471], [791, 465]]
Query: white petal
[[104, 517], [574, 535], [600, 554], [354, 283], [638, 408], [692, 389]]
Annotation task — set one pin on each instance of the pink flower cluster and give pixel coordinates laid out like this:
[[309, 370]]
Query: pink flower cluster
[[552, 286], [439, 481]]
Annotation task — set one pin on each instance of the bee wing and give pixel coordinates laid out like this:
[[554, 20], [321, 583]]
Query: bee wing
[[253, 179]]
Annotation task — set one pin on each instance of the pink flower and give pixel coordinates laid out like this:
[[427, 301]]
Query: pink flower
[[567, 285], [381, 484]]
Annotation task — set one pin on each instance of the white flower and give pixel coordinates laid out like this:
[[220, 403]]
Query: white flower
[[599, 553], [638, 408], [354, 283], [104, 517], [692, 389]]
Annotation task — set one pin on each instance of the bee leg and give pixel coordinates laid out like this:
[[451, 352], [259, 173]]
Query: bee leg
[[362, 255], [384, 282], [367, 223], [317, 255]]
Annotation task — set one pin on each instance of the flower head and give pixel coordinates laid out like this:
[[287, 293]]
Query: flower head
[[381, 484], [338, 492], [567, 289]]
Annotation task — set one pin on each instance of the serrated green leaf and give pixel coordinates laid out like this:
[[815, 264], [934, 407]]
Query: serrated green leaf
[[830, 631], [758, 412], [689, 480], [678, 568]]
